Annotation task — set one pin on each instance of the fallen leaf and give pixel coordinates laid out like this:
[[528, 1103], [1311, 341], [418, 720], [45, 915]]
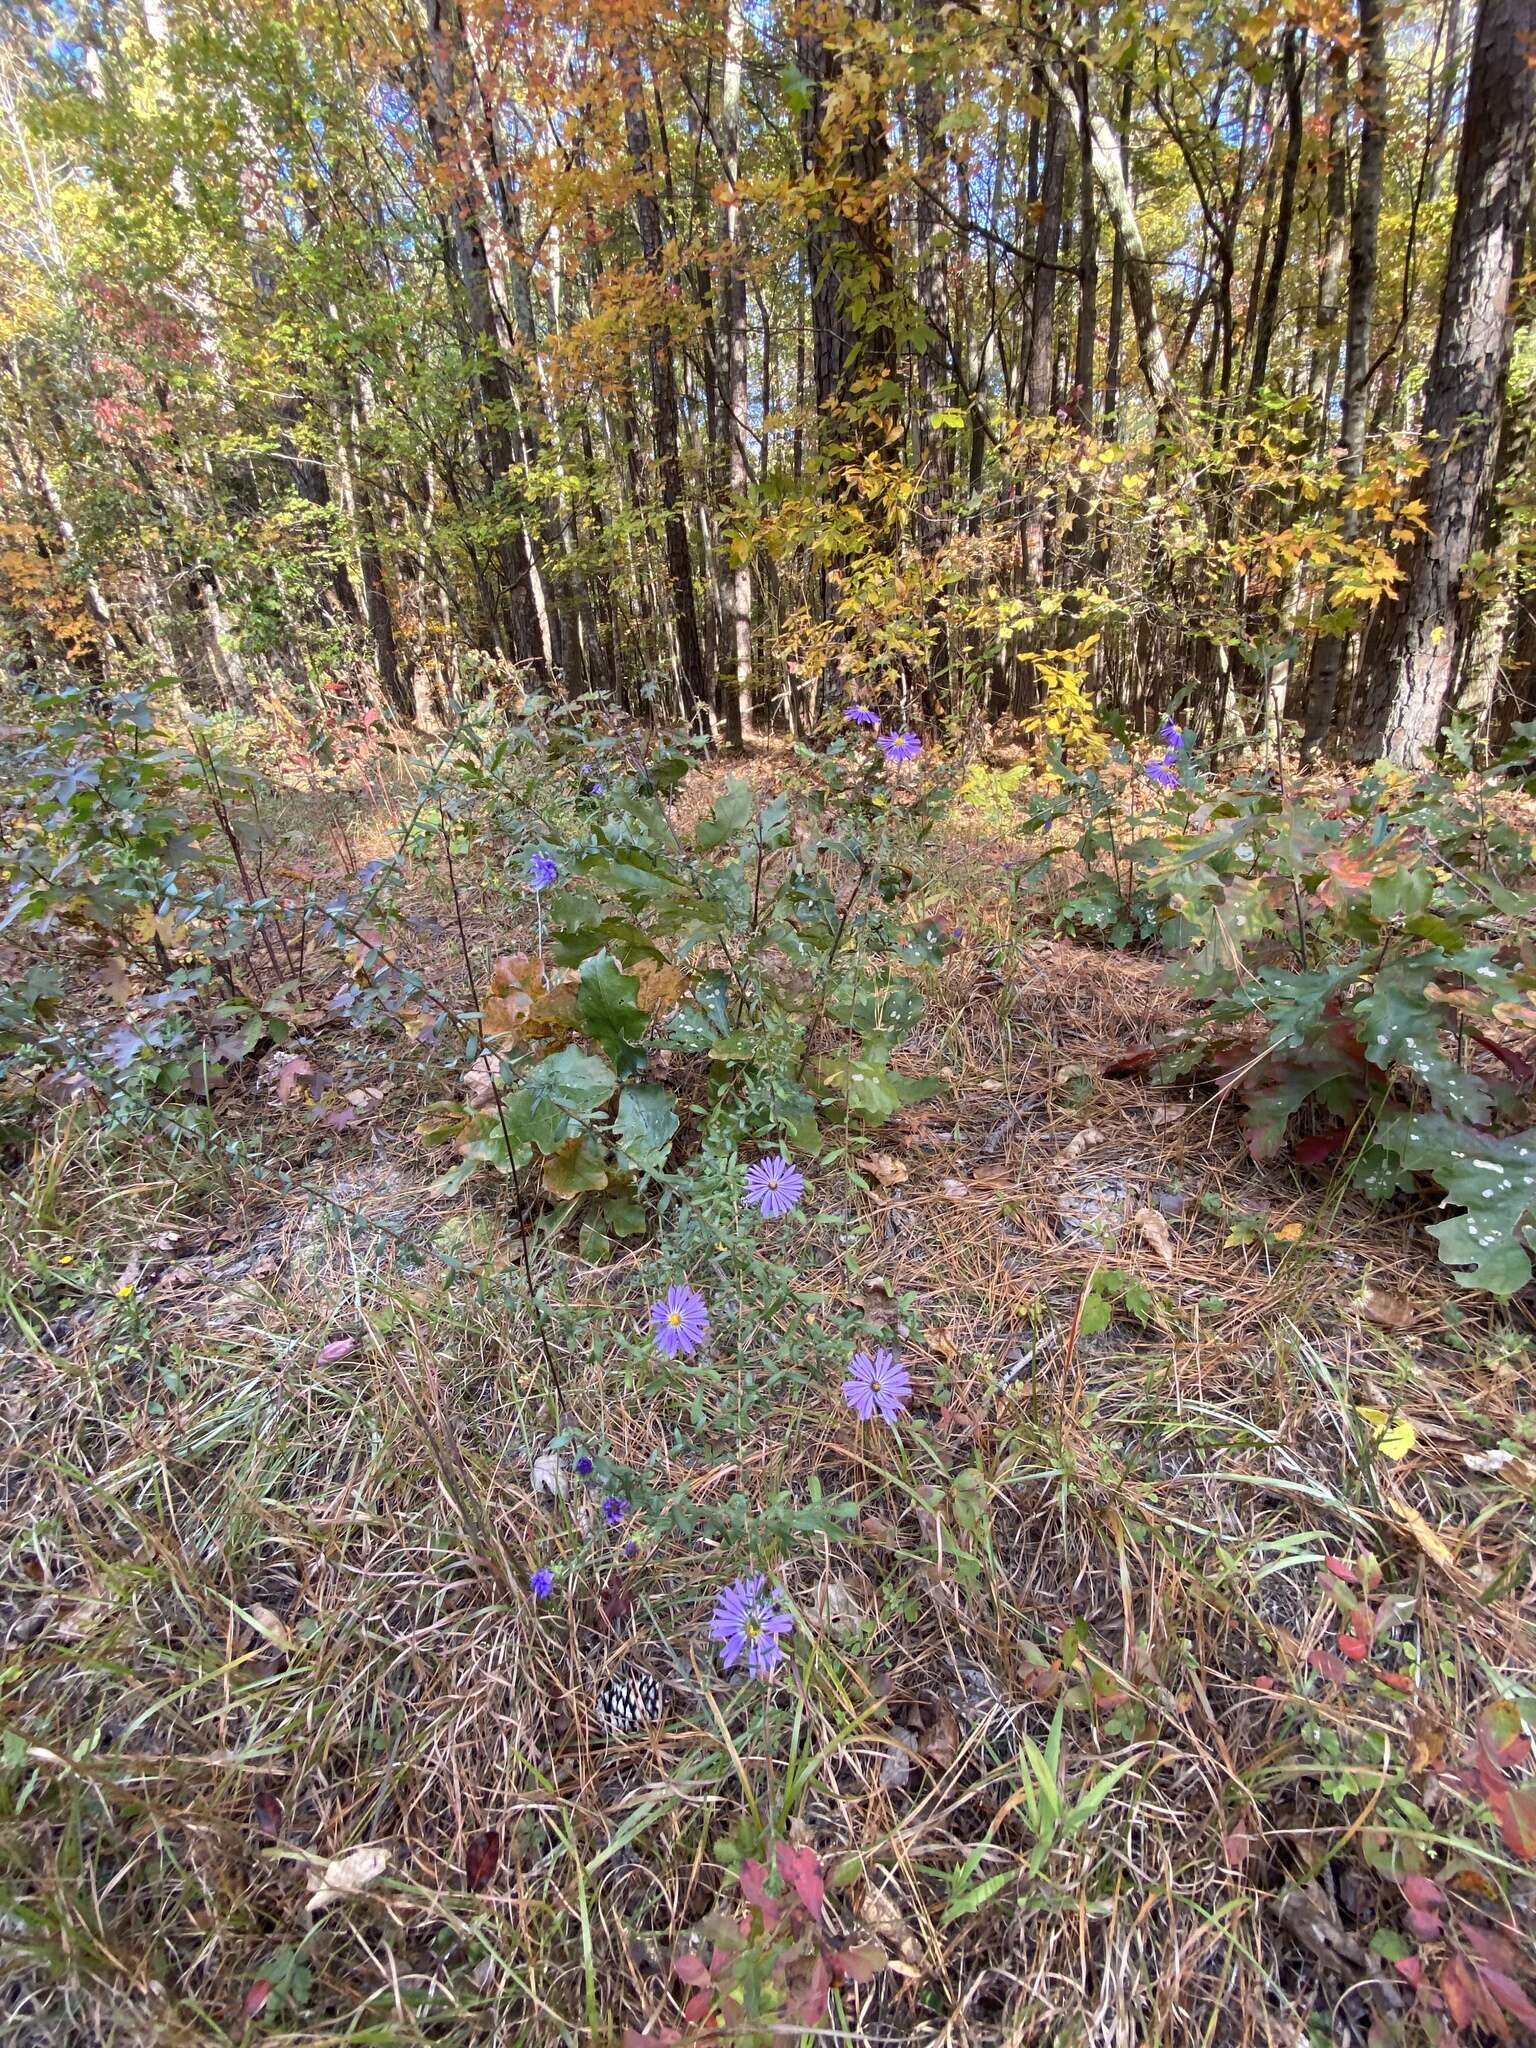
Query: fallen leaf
[[1085, 1139], [293, 1071], [837, 1609], [1507, 1465], [267, 1815], [482, 1853], [549, 1474], [272, 1626], [895, 1767], [886, 1168], [614, 1603], [1154, 1228], [338, 1348], [859, 1965], [256, 1998], [347, 1877], [1432, 1544], [1290, 1233], [1389, 1310], [954, 1190], [940, 1744], [1392, 1436]]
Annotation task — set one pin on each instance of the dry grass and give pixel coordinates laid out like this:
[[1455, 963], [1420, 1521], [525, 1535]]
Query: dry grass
[[264, 1604]]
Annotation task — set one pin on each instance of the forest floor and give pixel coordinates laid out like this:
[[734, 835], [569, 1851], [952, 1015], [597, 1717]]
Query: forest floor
[[1081, 1736]]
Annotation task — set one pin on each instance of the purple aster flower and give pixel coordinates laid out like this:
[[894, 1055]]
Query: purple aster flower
[[679, 1322], [774, 1187], [541, 872], [900, 746], [1170, 732], [1164, 773], [631, 1548], [583, 1467], [614, 1510], [541, 1583], [877, 1385], [860, 714], [749, 1618]]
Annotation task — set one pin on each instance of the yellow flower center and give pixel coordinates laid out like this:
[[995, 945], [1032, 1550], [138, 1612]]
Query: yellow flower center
[[674, 1319]]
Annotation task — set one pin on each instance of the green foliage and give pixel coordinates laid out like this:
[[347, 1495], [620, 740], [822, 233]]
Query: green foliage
[[759, 957], [1365, 981]]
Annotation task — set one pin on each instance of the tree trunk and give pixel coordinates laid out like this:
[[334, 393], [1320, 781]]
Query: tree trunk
[[1116, 279], [1294, 66], [1115, 186], [1411, 657], [692, 680], [1328, 655], [736, 576]]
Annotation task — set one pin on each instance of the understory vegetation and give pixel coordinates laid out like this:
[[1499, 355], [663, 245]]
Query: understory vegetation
[[652, 1399], [767, 1024]]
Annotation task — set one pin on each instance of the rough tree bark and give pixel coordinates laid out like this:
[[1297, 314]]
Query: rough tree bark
[[1328, 654], [1115, 187], [735, 576], [1413, 646], [692, 681]]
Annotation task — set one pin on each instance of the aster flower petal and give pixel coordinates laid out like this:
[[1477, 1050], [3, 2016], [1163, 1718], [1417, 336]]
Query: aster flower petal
[[541, 872], [679, 1322], [774, 1187], [877, 1384], [749, 1621], [900, 746]]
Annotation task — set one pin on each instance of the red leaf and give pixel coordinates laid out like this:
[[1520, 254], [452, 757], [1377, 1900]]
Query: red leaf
[[1355, 1639], [1350, 874], [1493, 1948], [1412, 1968], [692, 1969], [809, 2008], [1510, 1996], [859, 1965], [482, 1853], [1398, 1680], [1421, 1925], [1237, 1847], [801, 1872], [1516, 1062], [697, 2007], [1516, 1810], [1459, 1990], [1421, 1891], [753, 1879], [256, 1997], [267, 1815], [614, 1603], [662, 2037], [1318, 1148], [1342, 1569], [1327, 1665], [1503, 1733], [1136, 1061], [339, 1347]]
